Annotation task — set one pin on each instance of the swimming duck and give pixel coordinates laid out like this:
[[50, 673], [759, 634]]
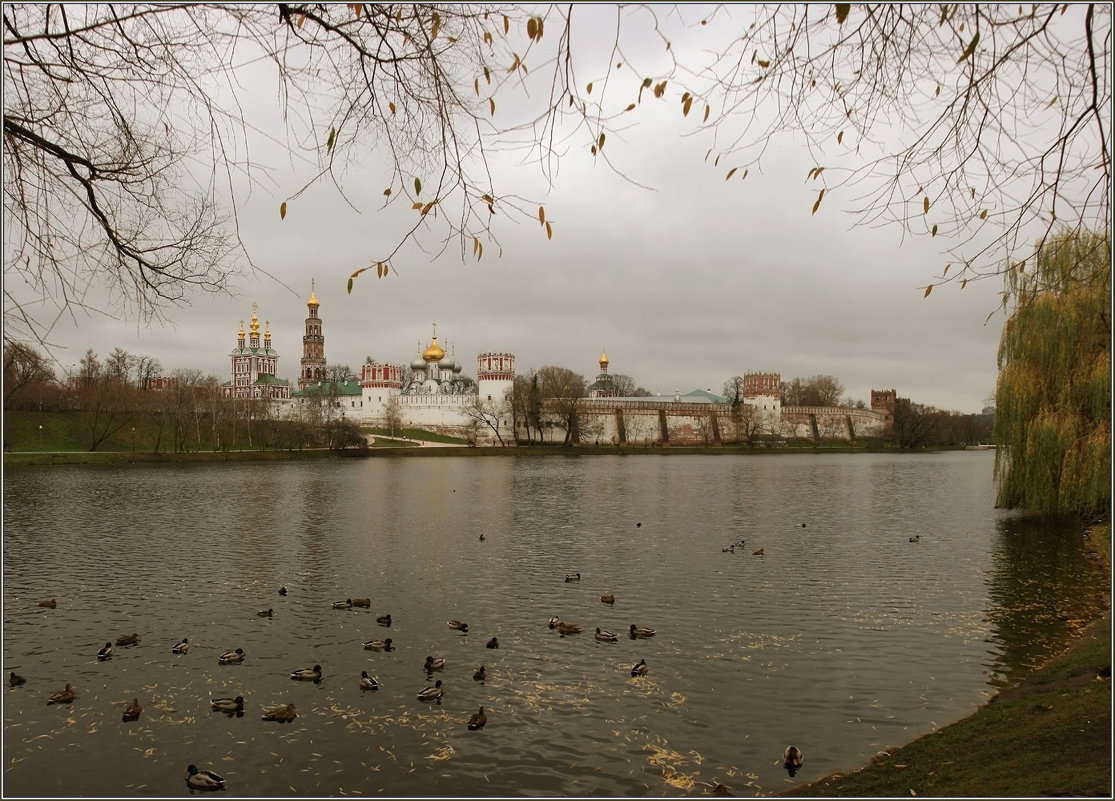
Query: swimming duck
[[492, 643], [17, 679], [721, 790], [49, 603], [480, 674], [434, 664], [265, 612], [640, 668], [379, 645], [728, 549], [430, 693], [231, 657], [63, 696], [105, 653], [307, 674], [608, 599], [568, 628], [640, 631], [127, 639], [481, 537], [203, 779], [228, 704], [282, 713], [132, 710], [458, 625], [181, 647], [759, 552], [282, 590], [915, 538], [605, 636], [478, 720], [554, 621], [367, 682], [345, 604], [572, 576], [792, 759], [362, 602], [384, 620]]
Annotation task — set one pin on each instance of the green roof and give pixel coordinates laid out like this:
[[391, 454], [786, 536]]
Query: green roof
[[702, 395], [266, 378], [324, 388]]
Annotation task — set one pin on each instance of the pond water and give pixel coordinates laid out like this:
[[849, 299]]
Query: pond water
[[843, 637]]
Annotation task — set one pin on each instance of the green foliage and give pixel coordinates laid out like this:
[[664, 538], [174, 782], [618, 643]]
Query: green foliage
[[1053, 399]]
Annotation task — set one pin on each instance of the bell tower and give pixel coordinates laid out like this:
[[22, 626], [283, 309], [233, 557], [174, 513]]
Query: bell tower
[[312, 367]]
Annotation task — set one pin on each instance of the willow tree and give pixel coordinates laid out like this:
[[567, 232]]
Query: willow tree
[[1053, 398]]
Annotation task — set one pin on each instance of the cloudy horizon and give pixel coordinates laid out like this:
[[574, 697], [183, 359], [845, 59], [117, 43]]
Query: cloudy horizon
[[684, 278]]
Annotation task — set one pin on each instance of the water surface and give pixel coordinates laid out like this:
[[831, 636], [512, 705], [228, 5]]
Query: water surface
[[844, 637]]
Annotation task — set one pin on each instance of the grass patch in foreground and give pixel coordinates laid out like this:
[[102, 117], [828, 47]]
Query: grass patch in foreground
[[1048, 735]]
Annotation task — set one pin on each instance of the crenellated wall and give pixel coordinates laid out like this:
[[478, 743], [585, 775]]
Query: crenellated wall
[[661, 421]]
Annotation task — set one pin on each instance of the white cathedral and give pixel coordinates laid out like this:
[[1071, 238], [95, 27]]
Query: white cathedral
[[435, 395]]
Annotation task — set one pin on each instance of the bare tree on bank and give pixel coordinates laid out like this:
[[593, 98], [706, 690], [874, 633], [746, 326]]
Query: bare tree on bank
[[526, 405], [560, 388], [489, 414], [627, 388], [25, 370], [817, 390], [393, 415], [127, 142]]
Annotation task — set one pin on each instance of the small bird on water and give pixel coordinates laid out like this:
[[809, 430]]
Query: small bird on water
[[792, 759], [478, 720]]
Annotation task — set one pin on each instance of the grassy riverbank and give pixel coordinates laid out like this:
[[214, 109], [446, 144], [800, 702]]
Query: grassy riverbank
[[1049, 735]]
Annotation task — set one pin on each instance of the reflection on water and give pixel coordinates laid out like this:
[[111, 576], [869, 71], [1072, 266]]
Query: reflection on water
[[1036, 567], [843, 638]]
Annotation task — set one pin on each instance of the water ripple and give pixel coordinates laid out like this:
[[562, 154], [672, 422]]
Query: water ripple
[[843, 637]]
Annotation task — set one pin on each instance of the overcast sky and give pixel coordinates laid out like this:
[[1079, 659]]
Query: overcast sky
[[685, 283]]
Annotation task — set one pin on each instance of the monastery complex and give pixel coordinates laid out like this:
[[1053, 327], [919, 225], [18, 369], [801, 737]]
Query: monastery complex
[[431, 393]]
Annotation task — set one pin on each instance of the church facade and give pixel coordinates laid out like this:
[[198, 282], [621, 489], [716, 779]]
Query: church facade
[[255, 366], [430, 393]]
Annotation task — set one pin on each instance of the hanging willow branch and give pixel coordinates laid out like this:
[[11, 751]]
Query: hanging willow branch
[[1053, 399]]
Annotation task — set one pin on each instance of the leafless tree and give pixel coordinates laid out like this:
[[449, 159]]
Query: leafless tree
[[127, 143], [627, 388], [526, 404], [915, 424], [105, 400], [489, 414], [339, 373], [25, 368], [393, 415], [147, 368], [817, 390], [984, 124], [560, 388]]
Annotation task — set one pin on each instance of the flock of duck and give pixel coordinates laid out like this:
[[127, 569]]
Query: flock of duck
[[200, 779]]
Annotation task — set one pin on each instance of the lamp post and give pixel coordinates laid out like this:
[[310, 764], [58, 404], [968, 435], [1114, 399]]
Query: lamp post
[[133, 439], [40, 436]]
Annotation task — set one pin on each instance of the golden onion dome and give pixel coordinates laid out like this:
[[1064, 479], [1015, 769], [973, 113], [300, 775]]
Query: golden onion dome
[[604, 357], [241, 333], [255, 323], [313, 299], [434, 353]]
